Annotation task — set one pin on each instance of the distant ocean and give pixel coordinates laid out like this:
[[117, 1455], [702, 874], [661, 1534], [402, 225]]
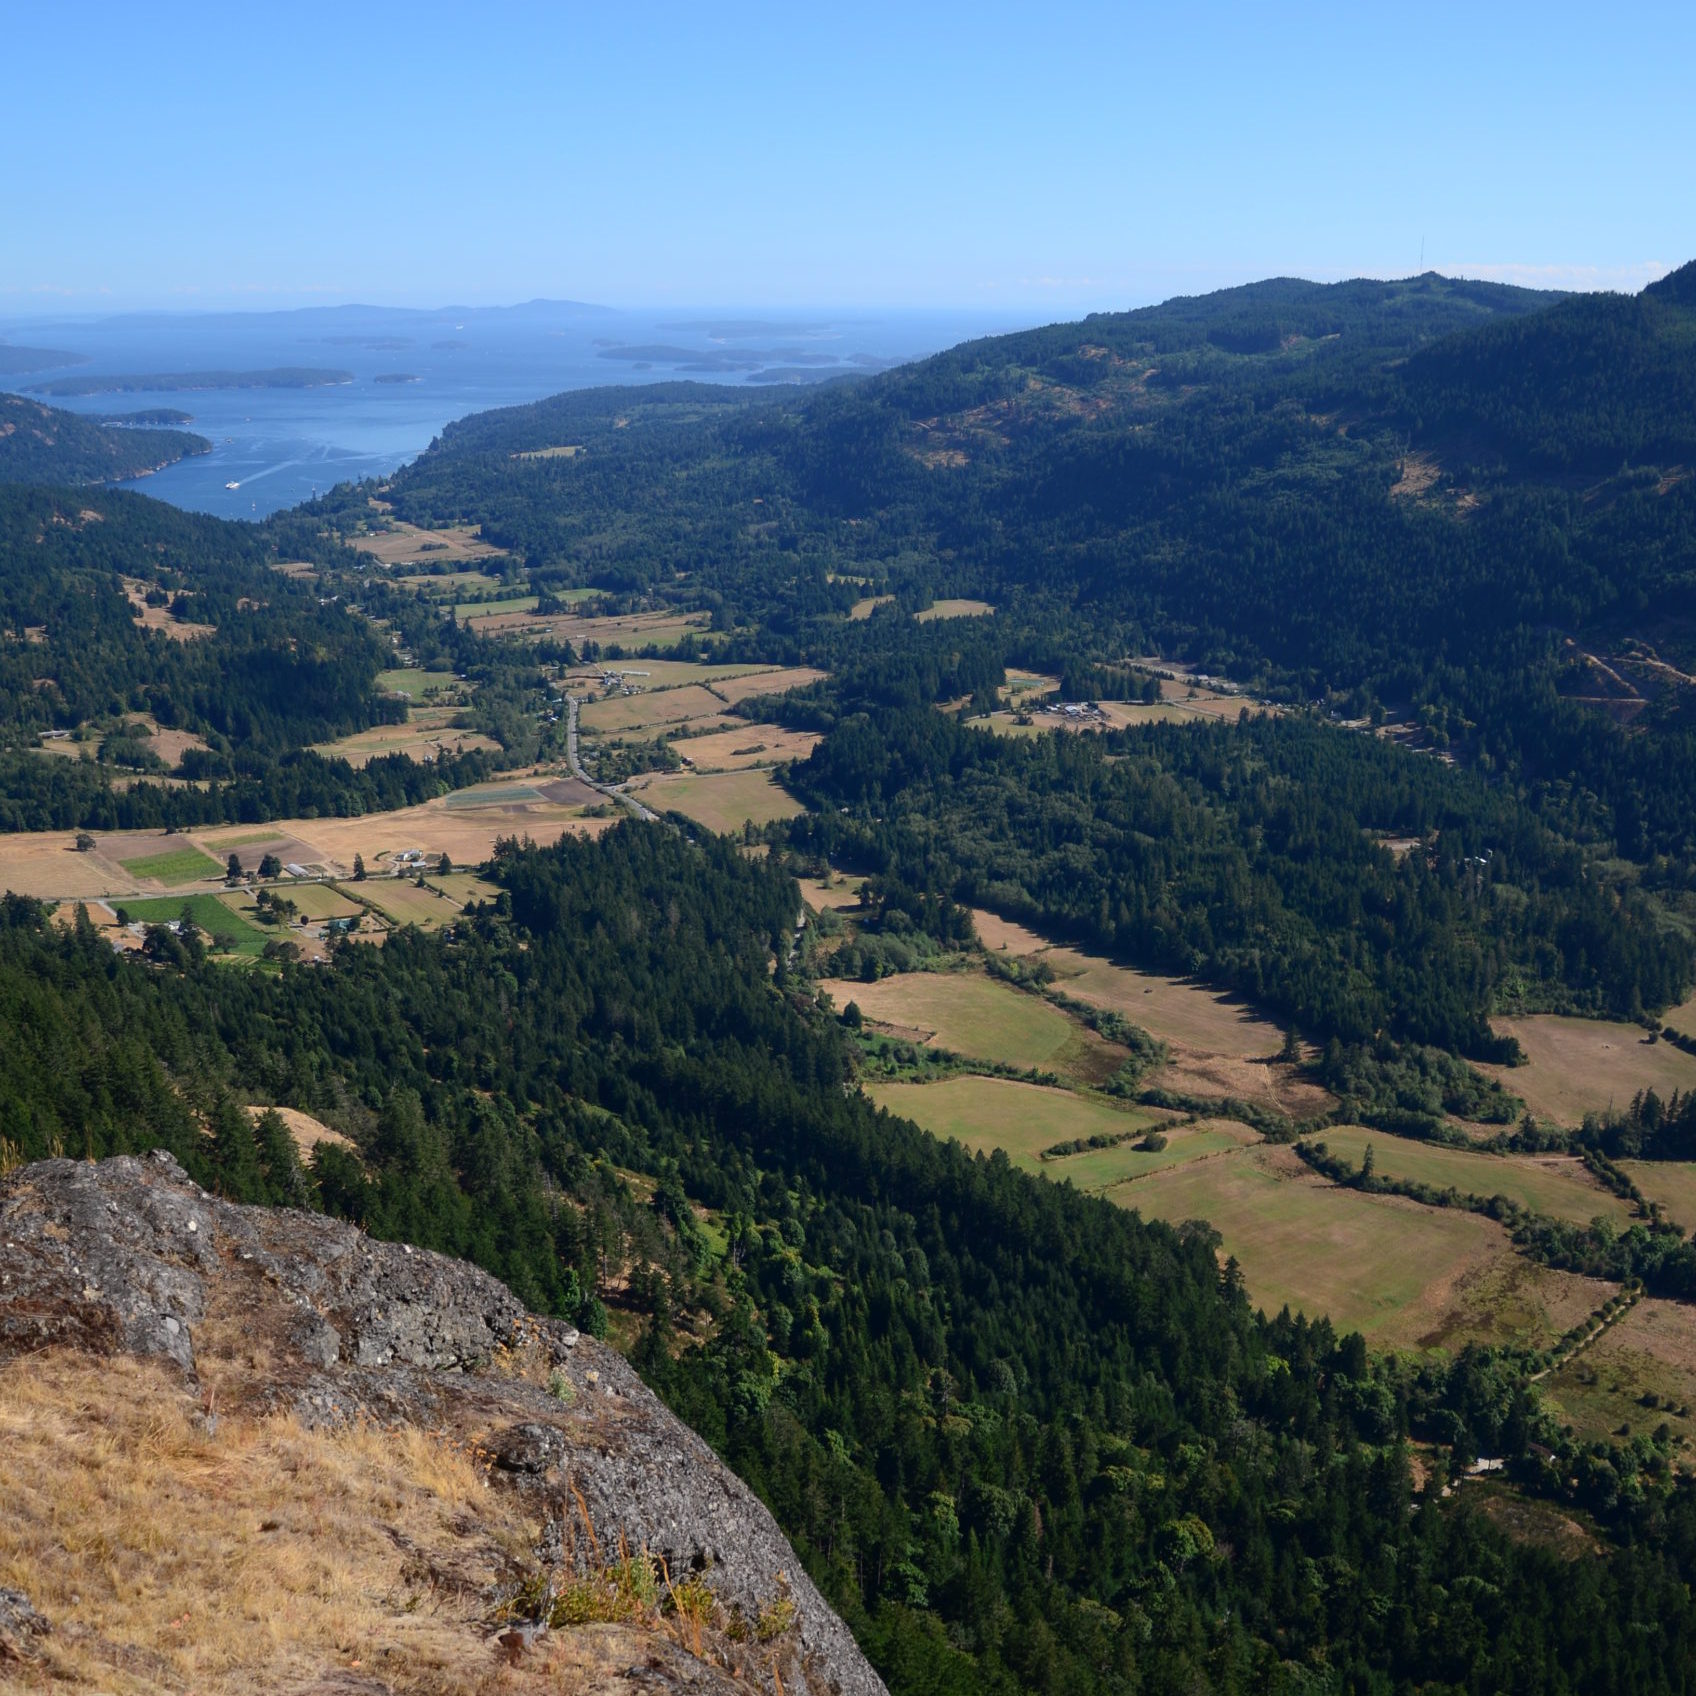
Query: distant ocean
[[280, 446]]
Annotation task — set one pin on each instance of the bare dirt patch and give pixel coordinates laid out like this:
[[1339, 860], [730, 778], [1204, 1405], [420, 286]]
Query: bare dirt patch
[[306, 1131]]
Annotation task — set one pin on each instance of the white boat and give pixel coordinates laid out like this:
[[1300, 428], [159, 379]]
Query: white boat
[[232, 485]]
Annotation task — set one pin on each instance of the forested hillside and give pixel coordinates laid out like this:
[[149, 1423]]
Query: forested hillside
[[41, 444], [1025, 1440]]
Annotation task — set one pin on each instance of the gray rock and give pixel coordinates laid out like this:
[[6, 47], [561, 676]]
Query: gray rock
[[129, 1255]]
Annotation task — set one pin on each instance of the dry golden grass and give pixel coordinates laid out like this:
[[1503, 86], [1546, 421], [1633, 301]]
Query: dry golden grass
[[248, 1558], [867, 605], [565, 451], [159, 618], [1579, 1066], [955, 609], [428, 733], [723, 801], [306, 1131], [649, 708], [778, 682], [406, 542], [746, 745], [1670, 1182]]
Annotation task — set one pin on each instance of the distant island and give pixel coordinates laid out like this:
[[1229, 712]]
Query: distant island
[[449, 346], [17, 361], [160, 382], [152, 417], [397, 377]]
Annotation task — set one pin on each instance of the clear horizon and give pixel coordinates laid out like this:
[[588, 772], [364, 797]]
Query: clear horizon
[[1089, 157]]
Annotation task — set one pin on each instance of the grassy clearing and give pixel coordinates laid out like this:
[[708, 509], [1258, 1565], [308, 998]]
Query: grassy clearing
[[1405, 1275], [1105, 1168], [1651, 1352], [404, 903], [427, 735], [650, 708], [1555, 1184], [223, 844], [320, 901], [1670, 1182], [1020, 1119], [176, 865], [1579, 1066], [414, 682], [663, 674], [467, 612], [465, 887], [723, 801], [230, 932], [867, 605], [955, 609], [971, 1014], [778, 682], [744, 746]]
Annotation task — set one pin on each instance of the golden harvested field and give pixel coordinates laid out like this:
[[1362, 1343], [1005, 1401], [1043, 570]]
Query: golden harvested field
[[1670, 1182], [776, 682], [427, 735], [1651, 1351], [1556, 1184], [955, 609], [1020, 1119], [1683, 1019], [404, 543], [649, 708], [47, 865], [969, 1013], [867, 605], [722, 801], [745, 745], [1579, 1066], [1405, 1275], [401, 901]]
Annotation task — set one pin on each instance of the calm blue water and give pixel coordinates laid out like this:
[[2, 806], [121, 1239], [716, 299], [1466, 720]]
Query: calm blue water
[[280, 446]]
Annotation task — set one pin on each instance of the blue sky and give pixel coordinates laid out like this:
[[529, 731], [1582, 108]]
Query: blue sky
[[1041, 158]]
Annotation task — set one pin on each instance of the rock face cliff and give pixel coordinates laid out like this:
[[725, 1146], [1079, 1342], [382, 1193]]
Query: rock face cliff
[[250, 1449]]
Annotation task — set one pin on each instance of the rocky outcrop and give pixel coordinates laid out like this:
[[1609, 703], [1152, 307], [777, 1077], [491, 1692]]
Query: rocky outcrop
[[266, 1314]]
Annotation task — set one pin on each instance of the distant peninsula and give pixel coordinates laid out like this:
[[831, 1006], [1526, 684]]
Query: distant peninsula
[[160, 382], [18, 361], [154, 417], [39, 444], [396, 377]]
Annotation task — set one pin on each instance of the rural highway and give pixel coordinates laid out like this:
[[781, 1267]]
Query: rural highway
[[645, 814]]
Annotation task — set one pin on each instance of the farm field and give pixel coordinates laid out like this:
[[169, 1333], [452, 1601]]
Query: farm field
[[316, 901], [402, 902], [722, 801], [228, 929], [1670, 1182], [867, 605], [472, 612], [651, 707], [1220, 1046], [1682, 1018], [1579, 1066], [1555, 1184], [414, 682], [1406, 1276], [1108, 1169], [465, 887], [173, 866], [631, 630], [1019, 1118], [427, 735], [745, 745], [662, 674], [404, 543], [778, 681], [970, 1014], [1651, 1351], [955, 609]]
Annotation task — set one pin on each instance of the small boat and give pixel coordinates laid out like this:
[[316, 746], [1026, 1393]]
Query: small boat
[[232, 485]]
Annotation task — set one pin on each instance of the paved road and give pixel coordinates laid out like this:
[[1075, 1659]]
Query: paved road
[[645, 814]]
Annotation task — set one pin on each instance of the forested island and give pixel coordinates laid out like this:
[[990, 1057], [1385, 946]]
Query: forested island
[[161, 382]]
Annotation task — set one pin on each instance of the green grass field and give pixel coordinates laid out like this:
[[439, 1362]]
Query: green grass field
[[404, 903], [178, 865], [414, 682], [321, 901], [1022, 1119], [1670, 1182], [1103, 1168], [1406, 1276], [1553, 1184], [487, 609], [231, 934], [970, 1013], [721, 801]]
